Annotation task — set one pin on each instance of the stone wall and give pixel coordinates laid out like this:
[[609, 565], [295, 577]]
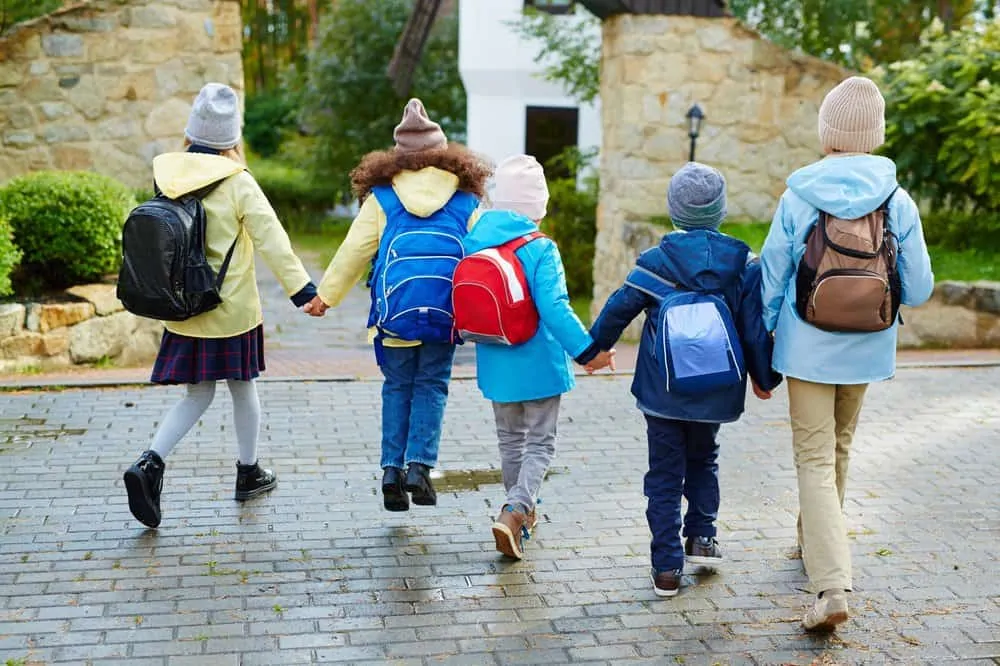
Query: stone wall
[[106, 85], [959, 315], [89, 326], [761, 105]]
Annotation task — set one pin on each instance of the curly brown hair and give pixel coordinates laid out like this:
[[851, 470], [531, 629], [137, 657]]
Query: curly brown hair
[[379, 168]]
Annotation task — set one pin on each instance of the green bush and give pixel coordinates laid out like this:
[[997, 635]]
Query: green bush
[[955, 230], [572, 222], [300, 201], [268, 117], [10, 256], [68, 224], [942, 111]]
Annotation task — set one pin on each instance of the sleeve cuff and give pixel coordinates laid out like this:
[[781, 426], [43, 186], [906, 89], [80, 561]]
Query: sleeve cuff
[[304, 295], [588, 354]]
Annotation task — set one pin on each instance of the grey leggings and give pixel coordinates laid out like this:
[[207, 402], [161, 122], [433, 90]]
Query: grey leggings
[[526, 432], [185, 414]]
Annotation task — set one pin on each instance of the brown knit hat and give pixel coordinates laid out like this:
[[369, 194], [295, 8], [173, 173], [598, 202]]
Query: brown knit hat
[[852, 117], [416, 132]]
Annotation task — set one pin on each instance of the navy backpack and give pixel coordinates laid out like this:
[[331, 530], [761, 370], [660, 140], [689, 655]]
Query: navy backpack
[[411, 280], [697, 346]]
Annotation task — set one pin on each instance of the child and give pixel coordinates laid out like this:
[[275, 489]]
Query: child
[[525, 382], [417, 203], [682, 428], [829, 370], [227, 342]]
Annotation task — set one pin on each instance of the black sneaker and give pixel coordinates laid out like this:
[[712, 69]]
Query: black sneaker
[[253, 480], [144, 483], [394, 497], [702, 551], [666, 583], [418, 484]]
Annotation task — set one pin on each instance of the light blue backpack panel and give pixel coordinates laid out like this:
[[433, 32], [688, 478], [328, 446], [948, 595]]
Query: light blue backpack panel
[[412, 274], [697, 346]]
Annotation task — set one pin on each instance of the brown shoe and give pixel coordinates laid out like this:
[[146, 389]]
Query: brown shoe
[[532, 521], [510, 528], [666, 583], [703, 551], [829, 610]]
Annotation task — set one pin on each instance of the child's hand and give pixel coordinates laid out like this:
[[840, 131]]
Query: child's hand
[[316, 307], [759, 392], [604, 359]]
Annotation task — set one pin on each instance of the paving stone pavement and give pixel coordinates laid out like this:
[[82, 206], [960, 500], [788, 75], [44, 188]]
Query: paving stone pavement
[[317, 572]]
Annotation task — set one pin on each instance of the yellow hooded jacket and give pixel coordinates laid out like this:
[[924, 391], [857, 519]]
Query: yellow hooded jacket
[[237, 209], [422, 193]]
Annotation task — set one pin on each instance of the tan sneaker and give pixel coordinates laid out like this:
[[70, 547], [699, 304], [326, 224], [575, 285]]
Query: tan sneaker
[[509, 530], [532, 521], [829, 610]]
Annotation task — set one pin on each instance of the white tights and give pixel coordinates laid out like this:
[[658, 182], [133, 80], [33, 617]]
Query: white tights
[[185, 414]]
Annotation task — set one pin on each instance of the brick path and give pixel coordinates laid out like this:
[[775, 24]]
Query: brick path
[[318, 573]]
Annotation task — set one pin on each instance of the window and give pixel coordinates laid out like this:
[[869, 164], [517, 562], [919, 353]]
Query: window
[[548, 132], [551, 6]]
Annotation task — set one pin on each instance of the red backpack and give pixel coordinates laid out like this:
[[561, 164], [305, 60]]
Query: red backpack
[[490, 296]]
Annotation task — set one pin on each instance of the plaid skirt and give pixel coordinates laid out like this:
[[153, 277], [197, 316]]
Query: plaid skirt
[[184, 360]]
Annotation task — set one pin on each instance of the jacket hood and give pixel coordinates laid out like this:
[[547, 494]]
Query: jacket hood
[[847, 187], [177, 174], [426, 191], [701, 260], [496, 227]]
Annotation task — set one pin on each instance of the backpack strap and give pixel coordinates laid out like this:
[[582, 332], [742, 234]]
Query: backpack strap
[[649, 283], [884, 208], [387, 199], [518, 243]]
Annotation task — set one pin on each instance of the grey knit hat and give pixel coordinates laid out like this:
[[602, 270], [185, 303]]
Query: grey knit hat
[[696, 198], [215, 118]]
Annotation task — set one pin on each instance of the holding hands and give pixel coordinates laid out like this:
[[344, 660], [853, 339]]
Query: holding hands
[[759, 392], [605, 359], [316, 307]]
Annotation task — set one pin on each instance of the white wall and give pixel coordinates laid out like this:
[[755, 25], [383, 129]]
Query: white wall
[[502, 78]]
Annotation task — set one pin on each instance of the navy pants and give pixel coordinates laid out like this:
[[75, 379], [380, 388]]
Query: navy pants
[[414, 395], [683, 461]]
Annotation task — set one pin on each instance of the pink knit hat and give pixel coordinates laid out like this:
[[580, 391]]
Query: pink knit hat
[[417, 132], [520, 187], [852, 117]]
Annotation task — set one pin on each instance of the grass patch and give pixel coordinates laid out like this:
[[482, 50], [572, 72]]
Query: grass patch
[[581, 306], [322, 242]]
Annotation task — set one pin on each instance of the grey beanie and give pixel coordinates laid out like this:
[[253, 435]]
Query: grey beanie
[[696, 198], [215, 118]]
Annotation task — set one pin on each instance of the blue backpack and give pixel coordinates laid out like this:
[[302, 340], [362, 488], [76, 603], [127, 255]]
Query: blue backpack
[[697, 346], [412, 272]]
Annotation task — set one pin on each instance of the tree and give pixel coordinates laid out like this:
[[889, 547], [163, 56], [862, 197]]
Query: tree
[[348, 99], [571, 54], [15, 11]]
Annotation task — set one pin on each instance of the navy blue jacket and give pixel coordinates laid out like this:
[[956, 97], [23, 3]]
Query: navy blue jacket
[[698, 261]]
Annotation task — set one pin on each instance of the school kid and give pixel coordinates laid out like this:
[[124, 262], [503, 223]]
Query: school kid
[[226, 343], [526, 382], [695, 262], [829, 367], [417, 203]]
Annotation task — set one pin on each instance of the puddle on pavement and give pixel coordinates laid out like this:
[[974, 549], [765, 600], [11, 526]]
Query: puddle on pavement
[[23, 432], [457, 480]]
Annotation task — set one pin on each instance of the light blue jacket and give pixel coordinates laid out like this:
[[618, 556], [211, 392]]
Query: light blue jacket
[[539, 368], [847, 187]]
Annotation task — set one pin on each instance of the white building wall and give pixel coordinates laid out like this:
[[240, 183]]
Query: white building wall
[[502, 78]]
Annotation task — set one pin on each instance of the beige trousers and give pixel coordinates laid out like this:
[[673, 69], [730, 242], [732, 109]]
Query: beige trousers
[[824, 417]]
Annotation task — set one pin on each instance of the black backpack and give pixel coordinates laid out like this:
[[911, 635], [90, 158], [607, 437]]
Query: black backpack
[[164, 273]]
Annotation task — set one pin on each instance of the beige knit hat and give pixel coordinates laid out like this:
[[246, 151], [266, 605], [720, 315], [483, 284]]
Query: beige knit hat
[[521, 187], [852, 117], [416, 131]]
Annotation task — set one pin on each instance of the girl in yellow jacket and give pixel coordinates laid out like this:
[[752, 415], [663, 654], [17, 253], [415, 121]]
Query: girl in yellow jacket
[[422, 182], [226, 343]]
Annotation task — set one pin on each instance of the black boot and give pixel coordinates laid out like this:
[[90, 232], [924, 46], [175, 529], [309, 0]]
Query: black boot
[[253, 480], [394, 497], [418, 484], [144, 482]]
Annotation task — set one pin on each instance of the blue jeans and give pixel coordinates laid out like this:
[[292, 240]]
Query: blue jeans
[[683, 460], [414, 394]]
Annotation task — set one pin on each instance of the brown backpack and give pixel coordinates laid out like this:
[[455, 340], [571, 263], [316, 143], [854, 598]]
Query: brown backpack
[[847, 280]]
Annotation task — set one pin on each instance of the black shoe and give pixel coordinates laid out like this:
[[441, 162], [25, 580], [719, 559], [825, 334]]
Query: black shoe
[[253, 480], [418, 484], [144, 482], [703, 551], [394, 496]]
